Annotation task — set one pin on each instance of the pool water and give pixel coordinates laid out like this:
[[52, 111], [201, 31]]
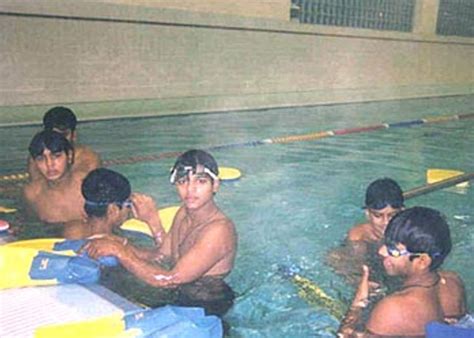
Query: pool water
[[295, 201]]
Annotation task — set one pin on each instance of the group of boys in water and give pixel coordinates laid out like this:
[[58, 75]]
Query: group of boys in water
[[68, 186]]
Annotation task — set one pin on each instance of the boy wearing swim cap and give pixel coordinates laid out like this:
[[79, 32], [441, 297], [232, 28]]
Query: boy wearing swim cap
[[107, 205], [63, 121], [57, 197], [200, 247], [416, 242]]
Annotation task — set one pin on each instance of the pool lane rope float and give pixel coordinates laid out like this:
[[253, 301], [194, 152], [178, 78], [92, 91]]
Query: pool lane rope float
[[439, 184], [311, 292], [275, 140]]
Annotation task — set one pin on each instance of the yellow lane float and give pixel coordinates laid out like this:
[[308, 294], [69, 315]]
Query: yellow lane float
[[437, 175]]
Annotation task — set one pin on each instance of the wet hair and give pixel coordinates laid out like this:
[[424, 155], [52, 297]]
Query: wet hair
[[51, 140], [102, 187], [383, 192], [191, 159], [421, 230], [61, 118]]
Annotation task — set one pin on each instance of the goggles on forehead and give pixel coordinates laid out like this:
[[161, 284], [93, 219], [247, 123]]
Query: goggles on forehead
[[183, 171], [393, 251]]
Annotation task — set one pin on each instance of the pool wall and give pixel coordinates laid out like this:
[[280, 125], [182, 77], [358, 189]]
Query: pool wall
[[114, 60]]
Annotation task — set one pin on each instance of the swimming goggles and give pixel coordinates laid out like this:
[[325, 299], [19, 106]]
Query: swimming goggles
[[395, 252], [182, 171], [127, 203]]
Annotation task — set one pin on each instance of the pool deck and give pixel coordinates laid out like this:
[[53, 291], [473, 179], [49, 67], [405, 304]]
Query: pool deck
[[25, 309], [22, 310]]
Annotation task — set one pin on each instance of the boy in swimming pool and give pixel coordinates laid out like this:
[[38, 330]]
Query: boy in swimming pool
[[63, 121], [416, 242], [107, 205], [57, 198], [200, 247], [383, 200]]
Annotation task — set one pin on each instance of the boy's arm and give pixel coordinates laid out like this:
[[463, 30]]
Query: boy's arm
[[212, 246]]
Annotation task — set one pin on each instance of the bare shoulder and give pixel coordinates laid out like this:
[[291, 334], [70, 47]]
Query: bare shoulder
[[358, 232], [451, 277], [452, 295], [393, 315], [86, 158], [31, 190], [222, 224]]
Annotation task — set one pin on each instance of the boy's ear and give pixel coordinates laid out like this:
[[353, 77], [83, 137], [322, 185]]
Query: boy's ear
[[112, 210], [73, 136], [423, 261], [70, 157], [215, 186]]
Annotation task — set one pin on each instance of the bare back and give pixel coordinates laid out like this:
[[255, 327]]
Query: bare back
[[405, 313]]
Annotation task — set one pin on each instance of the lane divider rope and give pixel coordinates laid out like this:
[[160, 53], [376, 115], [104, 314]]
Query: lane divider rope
[[275, 140]]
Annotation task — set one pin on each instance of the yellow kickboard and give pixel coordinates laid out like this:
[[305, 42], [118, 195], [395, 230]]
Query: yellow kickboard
[[43, 244], [229, 174], [437, 175], [15, 264], [110, 326], [166, 216]]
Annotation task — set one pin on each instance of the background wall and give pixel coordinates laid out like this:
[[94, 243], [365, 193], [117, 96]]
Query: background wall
[[107, 59]]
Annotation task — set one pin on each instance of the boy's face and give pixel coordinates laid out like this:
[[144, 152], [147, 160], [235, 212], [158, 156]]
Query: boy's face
[[196, 189], [380, 218], [53, 166]]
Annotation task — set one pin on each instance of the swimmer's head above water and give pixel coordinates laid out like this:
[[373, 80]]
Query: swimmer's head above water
[[49, 140], [61, 118], [194, 161], [383, 192], [102, 187], [422, 231]]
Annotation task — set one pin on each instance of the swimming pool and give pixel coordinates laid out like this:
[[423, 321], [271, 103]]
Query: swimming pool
[[296, 200]]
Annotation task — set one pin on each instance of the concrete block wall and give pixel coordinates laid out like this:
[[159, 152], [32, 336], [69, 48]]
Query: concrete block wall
[[113, 60]]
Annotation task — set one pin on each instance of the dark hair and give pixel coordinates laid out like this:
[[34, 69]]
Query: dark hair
[[421, 230], [61, 118], [192, 158], [102, 187], [383, 192], [51, 140]]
